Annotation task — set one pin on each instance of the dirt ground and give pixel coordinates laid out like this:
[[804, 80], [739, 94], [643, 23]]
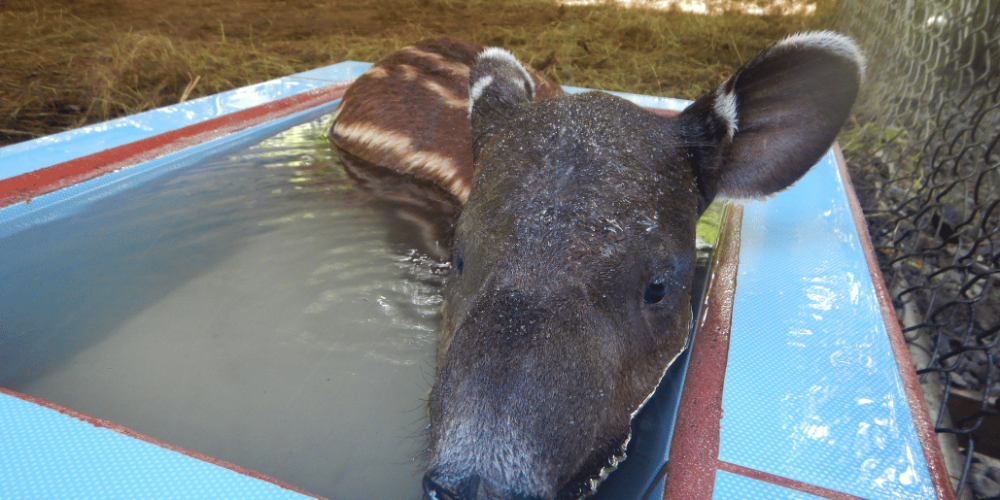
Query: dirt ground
[[66, 63]]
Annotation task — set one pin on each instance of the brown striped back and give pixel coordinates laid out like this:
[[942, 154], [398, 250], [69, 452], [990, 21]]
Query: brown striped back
[[409, 114]]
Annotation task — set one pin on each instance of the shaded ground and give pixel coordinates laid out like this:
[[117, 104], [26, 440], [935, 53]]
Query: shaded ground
[[70, 62]]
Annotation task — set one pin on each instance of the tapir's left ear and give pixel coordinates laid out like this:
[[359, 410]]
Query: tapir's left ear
[[498, 83], [764, 127]]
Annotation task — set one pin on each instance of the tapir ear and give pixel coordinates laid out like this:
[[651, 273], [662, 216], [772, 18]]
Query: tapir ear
[[497, 84], [764, 127]]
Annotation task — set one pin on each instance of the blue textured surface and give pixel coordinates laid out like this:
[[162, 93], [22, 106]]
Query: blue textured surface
[[46, 151], [47, 455], [735, 487], [647, 101], [812, 392]]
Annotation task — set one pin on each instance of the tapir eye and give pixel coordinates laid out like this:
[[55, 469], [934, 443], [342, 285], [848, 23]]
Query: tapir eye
[[655, 291], [459, 262]]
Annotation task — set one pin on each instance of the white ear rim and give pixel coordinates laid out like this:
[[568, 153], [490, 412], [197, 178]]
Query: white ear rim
[[478, 88], [842, 45], [725, 108], [498, 53], [503, 58]]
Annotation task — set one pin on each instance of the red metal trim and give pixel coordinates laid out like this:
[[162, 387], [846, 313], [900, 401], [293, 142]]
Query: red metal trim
[[694, 450], [48, 179], [98, 422], [664, 112], [911, 384], [26, 186], [792, 484], [695, 446]]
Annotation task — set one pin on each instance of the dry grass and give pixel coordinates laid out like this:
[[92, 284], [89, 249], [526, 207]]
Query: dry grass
[[70, 62]]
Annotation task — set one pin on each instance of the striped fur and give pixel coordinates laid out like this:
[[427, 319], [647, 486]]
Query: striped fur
[[424, 89]]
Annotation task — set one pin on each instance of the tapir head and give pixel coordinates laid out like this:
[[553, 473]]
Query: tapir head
[[574, 255]]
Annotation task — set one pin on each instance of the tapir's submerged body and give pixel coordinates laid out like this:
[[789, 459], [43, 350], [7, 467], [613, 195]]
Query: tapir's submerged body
[[573, 256]]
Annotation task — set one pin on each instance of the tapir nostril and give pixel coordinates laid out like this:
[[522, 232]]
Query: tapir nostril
[[465, 489], [434, 491], [469, 488]]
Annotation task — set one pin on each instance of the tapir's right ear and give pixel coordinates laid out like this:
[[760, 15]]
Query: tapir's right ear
[[764, 127], [498, 83]]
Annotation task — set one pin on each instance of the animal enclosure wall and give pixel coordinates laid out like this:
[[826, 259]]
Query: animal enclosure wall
[[925, 157]]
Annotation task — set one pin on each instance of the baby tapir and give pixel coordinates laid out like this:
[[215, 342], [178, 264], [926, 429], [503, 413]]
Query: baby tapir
[[572, 257]]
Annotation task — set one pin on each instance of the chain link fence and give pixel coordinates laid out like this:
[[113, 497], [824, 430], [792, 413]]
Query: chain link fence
[[925, 158]]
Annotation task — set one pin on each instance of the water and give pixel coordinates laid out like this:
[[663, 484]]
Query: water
[[253, 308], [256, 308]]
